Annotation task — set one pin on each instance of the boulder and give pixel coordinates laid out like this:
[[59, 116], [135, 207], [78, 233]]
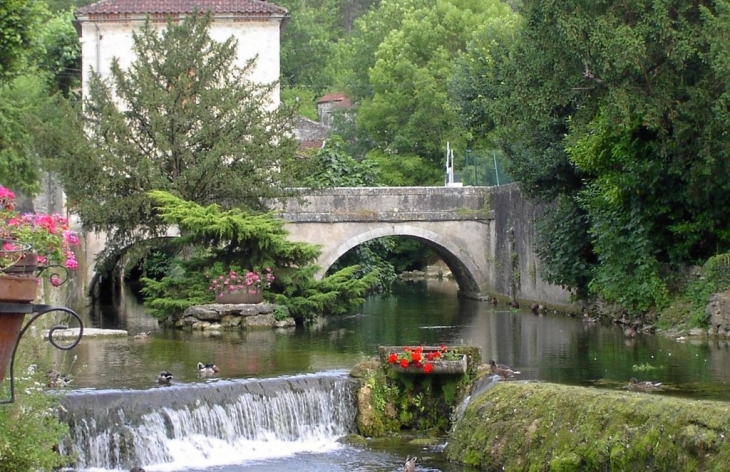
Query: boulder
[[718, 314]]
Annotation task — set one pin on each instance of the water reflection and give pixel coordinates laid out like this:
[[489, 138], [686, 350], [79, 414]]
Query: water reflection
[[547, 347]]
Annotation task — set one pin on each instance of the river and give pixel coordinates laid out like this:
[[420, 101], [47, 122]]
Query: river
[[549, 347]]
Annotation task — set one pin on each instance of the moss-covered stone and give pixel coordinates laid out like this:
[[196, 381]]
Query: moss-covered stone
[[390, 402], [519, 426]]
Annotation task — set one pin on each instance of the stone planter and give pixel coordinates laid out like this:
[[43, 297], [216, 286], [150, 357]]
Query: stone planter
[[439, 367], [241, 297], [15, 294], [457, 366]]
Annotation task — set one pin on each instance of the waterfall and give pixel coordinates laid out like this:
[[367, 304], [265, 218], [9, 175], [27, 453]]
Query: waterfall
[[214, 423]]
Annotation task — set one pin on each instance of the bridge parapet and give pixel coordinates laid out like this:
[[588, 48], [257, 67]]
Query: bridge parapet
[[389, 204]]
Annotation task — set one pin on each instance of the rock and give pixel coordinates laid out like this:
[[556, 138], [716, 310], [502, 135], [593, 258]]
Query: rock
[[286, 323], [258, 321], [697, 332], [718, 313], [524, 426]]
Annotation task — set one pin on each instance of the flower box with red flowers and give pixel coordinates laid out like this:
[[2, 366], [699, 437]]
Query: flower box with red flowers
[[426, 360]]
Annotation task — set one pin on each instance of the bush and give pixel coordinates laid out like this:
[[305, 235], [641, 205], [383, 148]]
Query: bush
[[29, 428]]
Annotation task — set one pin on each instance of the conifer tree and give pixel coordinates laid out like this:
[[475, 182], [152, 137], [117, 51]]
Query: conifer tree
[[224, 238], [183, 118]]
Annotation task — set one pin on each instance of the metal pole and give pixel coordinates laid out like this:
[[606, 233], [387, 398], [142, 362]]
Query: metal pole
[[496, 174]]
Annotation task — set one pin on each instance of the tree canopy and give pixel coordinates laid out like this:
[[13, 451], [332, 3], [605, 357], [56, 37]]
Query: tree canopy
[[402, 57], [182, 118], [614, 112]]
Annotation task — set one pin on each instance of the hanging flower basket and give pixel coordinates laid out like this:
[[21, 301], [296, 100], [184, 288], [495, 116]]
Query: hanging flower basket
[[26, 265]]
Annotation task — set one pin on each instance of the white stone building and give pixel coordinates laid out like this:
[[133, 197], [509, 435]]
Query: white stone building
[[106, 31]]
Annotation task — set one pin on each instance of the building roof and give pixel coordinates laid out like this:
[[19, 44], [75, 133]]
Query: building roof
[[178, 7], [337, 97]]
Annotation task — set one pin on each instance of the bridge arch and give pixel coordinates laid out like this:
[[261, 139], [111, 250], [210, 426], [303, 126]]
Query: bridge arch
[[465, 270]]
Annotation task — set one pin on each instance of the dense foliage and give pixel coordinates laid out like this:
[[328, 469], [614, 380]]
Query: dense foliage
[[614, 112], [212, 235], [30, 430]]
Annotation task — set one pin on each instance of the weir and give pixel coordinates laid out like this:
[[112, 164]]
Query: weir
[[235, 420]]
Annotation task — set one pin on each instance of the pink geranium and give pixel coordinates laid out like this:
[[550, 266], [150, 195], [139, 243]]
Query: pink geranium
[[47, 235]]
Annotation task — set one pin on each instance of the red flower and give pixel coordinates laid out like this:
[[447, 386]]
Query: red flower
[[393, 358], [433, 355], [428, 368], [416, 356], [404, 363]]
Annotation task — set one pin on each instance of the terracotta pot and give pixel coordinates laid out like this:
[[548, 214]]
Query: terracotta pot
[[245, 296], [13, 290], [27, 265]]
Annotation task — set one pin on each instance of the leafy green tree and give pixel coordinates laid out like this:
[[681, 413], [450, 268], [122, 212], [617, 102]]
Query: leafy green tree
[[408, 111], [404, 170], [369, 31], [330, 166], [182, 118], [67, 5], [308, 44], [302, 99], [59, 52], [22, 102], [19, 23], [616, 107], [235, 237]]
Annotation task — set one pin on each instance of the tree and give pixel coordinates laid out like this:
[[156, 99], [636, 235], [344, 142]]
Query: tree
[[614, 111], [308, 45], [330, 166], [59, 52], [247, 240], [19, 22], [407, 110], [22, 101], [183, 118]]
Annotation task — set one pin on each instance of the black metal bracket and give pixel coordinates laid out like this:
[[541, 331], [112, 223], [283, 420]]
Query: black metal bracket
[[39, 311]]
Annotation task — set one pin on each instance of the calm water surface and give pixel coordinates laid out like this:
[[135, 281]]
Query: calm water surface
[[550, 347]]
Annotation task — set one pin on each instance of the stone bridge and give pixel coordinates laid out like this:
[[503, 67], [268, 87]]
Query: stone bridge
[[452, 221], [484, 234]]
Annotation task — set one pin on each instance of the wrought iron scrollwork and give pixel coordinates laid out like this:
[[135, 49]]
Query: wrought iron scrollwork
[[39, 311]]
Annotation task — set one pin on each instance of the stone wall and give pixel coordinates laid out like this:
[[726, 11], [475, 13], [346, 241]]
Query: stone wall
[[513, 266], [219, 316]]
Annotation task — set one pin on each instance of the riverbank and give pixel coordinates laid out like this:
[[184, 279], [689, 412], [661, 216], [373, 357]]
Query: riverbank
[[543, 426]]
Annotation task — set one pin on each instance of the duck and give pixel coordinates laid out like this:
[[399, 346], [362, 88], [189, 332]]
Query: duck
[[56, 380], [644, 386], [630, 332], [410, 465], [165, 377], [589, 319], [207, 369], [502, 370], [143, 335]]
